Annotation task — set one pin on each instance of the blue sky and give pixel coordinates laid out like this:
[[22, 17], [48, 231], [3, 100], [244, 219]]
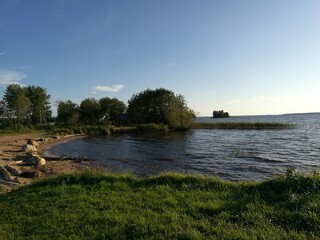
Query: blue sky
[[245, 57]]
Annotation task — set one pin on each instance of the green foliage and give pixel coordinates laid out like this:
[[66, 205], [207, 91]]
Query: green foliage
[[68, 112], [40, 105], [25, 105], [90, 111], [170, 206], [110, 108], [160, 106], [220, 114], [243, 125]]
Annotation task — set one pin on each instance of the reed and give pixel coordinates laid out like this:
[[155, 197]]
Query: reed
[[152, 128]]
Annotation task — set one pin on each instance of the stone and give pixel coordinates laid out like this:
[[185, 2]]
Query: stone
[[28, 148], [5, 175], [13, 171], [35, 160], [30, 174], [33, 142], [42, 162], [31, 154]]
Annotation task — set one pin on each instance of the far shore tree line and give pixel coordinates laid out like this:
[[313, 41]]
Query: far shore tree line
[[220, 114], [29, 106]]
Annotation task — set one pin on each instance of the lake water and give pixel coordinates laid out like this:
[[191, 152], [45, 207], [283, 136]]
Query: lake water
[[229, 154]]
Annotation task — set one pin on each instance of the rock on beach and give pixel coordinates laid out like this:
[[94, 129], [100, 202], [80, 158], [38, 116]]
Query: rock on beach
[[5, 175], [28, 148]]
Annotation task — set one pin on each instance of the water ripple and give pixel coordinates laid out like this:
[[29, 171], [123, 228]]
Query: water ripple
[[230, 154]]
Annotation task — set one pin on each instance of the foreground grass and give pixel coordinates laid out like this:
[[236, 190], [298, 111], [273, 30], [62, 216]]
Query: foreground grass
[[243, 125], [98, 206]]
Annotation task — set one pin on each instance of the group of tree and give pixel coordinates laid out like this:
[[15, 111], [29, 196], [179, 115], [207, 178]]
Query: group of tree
[[28, 105], [90, 111], [160, 106], [220, 114]]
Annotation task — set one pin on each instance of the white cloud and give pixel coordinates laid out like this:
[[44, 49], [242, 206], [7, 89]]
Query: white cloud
[[113, 88], [3, 53], [11, 77]]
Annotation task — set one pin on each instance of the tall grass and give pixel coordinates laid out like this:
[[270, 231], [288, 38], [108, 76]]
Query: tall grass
[[152, 128], [171, 206], [85, 129], [243, 125]]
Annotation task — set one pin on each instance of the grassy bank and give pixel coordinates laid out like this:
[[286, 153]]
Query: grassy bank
[[98, 206], [106, 130], [243, 125]]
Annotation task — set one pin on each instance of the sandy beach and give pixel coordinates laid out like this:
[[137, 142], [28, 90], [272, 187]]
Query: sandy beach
[[12, 154]]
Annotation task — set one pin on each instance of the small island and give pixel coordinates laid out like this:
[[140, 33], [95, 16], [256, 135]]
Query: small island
[[220, 114]]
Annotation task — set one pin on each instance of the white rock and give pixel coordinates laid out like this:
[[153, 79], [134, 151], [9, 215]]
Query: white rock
[[28, 148], [42, 162], [32, 142]]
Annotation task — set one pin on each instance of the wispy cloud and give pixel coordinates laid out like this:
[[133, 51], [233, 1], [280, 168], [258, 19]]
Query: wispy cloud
[[3, 53], [113, 88], [10, 77]]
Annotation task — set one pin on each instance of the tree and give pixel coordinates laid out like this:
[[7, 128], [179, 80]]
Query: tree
[[22, 108], [90, 111], [160, 106], [17, 105], [5, 113], [68, 112], [40, 110], [25, 103], [220, 114], [111, 108], [11, 94]]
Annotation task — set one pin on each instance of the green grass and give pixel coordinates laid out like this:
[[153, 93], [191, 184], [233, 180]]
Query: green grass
[[243, 125], [93, 205]]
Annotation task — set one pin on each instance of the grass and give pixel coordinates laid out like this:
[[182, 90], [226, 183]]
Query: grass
[[243, 125], [172, 206], [152, 128], [12, 132]]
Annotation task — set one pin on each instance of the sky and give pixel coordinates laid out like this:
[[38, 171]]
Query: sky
[[246, 57]]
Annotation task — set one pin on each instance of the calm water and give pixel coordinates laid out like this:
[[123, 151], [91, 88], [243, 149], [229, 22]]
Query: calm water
[[230, 154]]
